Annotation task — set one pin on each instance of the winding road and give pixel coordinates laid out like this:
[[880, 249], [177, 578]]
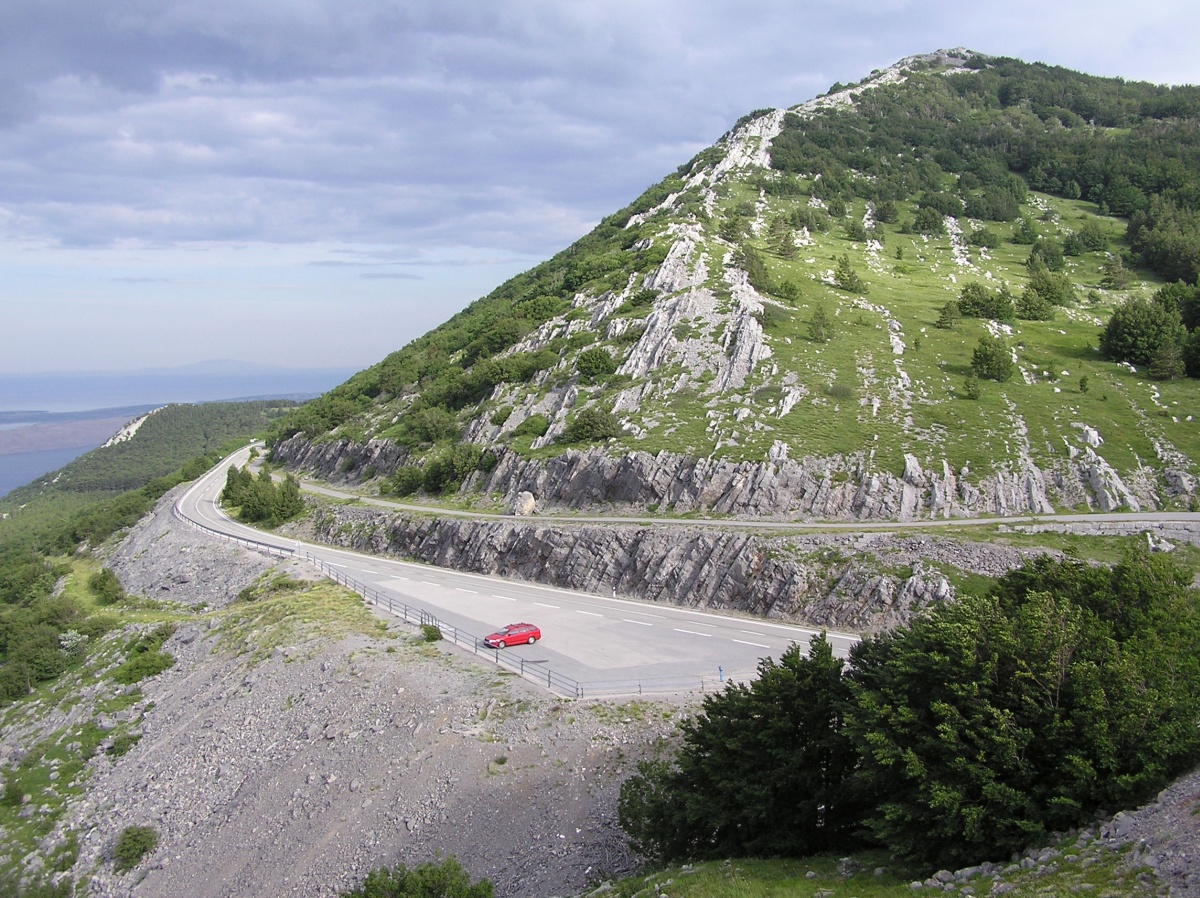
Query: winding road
[[604, 644]]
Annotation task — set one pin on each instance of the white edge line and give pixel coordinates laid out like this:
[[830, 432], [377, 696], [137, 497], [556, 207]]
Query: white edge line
[[755, 644]]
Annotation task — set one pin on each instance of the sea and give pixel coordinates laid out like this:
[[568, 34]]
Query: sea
[[42, 398]]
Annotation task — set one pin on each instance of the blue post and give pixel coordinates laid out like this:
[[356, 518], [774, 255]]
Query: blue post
[[721, 673]]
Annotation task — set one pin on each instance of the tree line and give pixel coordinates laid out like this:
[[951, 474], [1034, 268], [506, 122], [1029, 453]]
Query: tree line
[[973, 731]]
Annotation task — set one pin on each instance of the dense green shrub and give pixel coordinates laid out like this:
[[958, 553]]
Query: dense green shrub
[[591, 425], [446, 471], [407, 479], [992, 359], [977, 729], [977, 301], [445, 879], [1138, 329], [596, 363], [106, 587], [535, 425], [788, 721], [261, 499], [145, 657], [133, 844]]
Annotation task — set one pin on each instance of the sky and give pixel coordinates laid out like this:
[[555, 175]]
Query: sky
[[314, 183]]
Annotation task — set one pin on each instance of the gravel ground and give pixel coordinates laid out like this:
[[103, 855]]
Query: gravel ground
[[298, 774]]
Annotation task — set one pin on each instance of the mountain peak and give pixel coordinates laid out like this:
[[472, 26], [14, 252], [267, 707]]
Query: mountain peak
[[876, 303]]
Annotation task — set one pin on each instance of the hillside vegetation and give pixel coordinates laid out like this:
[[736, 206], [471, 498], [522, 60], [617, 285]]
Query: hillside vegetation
[[53, 598], [963, 272]]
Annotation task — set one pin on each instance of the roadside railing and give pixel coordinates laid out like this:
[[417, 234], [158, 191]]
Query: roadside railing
[[538, 672]]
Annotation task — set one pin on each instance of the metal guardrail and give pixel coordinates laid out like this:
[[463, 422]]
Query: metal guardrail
[[538, 672], [534, 671]]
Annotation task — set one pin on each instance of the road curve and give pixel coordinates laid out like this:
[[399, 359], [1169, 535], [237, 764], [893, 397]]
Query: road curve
[[606, 644]]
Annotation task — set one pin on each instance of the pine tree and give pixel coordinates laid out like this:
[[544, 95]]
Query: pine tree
[[820, 329]]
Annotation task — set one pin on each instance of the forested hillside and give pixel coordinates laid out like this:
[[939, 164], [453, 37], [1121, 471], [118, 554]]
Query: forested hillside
[[45, 628], [966, 285]]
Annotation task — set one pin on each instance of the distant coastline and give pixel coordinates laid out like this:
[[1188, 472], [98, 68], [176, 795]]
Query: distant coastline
[[85, 391], [48, 420]]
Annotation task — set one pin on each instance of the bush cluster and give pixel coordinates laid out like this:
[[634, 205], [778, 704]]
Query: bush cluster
[[973, 731]]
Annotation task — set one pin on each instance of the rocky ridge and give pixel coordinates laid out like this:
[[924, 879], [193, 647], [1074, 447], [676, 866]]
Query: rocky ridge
[[864, 582], [834, 488]]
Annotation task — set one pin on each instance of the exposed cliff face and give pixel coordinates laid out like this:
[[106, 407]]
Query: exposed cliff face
[[860, 582], [841, 488]]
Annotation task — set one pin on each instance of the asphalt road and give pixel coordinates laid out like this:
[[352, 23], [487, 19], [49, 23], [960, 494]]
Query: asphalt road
[[606, 644]]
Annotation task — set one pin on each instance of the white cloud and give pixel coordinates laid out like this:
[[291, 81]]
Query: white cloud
[[144, 133]]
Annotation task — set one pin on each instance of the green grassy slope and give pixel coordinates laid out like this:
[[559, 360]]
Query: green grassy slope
[[703, 295]]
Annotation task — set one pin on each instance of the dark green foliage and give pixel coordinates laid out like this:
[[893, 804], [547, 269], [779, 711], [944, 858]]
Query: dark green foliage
[[971, 387], [846, 277], [640, 302], [1115, 275], [260, 499], [929, 221], [1049, 252], [1138, 329], [1166, 237], [535, 425], [1032, 307], [596, 363], [165, 441], [995, 720], [1025, 232], [887, 212], [447, 470], [764, 770], [1167, 363], [977, 301], [820, 327], [1183, 299], [1091, 238], [751, 261], [984, 237], [974, 731], [133, 844], [773, 316], [407, 479], [949, 316], [591, 425], [25, 575], [1053, 286], [445, 879], [145, 657], [992, 359], [431, 632], [809, 217], [429, 425], [106, 587]]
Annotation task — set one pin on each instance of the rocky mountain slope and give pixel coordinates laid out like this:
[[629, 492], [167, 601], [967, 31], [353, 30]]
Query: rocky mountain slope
[[758, 335], [299, 742]]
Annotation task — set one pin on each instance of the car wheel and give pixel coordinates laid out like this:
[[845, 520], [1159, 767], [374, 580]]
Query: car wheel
[[531, 640], [500, 644]]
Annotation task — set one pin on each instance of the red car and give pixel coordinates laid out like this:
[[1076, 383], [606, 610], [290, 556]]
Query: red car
[[512, 635]]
